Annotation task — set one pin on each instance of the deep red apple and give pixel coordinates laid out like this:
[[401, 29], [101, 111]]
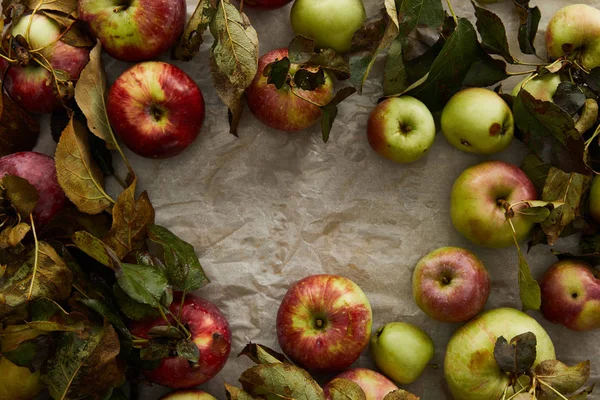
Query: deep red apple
[[40, 171], [266, 4], [156, 109], [324, 323], [135, 30], [450, 284], [33, 87], [280, 108], [375, 385], [210, 331], [571, 295]]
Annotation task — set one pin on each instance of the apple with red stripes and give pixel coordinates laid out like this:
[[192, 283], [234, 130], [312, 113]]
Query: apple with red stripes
[[375, 385]]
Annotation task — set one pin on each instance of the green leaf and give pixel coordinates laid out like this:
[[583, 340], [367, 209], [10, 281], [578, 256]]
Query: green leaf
[[561, 377], [182, 266], [569, 97], [21, 194], [191, 39], [142, 283], [132, 309], [412, 13], [301, 49], [345, 389], [530, 20], [330, 110], [493, 33], [308, 80], [262, 355], [282, 380], [278, 72], [485, 71], [529, 289], [537, 170], [187, 349], [97, 249], [518, 356], [156, 350], [535, 214], [26, 348], [111, 315]]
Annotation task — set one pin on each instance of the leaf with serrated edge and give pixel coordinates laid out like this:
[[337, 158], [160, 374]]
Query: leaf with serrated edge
[[345, 389], [561, 377], [262, 355], [493, 33], [281, 380], [518, 356], [77, 173], [142, 283], [187, 349], [191, 39]]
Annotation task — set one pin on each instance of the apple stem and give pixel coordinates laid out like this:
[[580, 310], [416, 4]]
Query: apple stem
[[319, 323], [35, 257], [517, 73], [523, 388], [10, 60], [452, 11], [241, 6]]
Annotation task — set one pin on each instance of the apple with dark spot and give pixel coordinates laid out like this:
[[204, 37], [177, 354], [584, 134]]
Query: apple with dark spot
[[375, 385]]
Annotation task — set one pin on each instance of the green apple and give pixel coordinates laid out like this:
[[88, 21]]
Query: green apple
[[470, 367], [541, 87], [574, 31], [330, 23], [401, 129], [478, 120], [401, 351], [595, 198]]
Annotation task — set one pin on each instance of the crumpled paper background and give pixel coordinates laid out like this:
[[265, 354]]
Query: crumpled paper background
[[270, 208]]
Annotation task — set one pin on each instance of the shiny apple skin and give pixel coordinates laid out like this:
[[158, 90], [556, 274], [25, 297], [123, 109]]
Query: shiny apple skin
[[281, 109], [571, 295], [211, 333], [32, 87], [451, 284], [156, 85], [266, 4], [140, 32], [347, 319], [375, 385], [474, 206], [39, 170]]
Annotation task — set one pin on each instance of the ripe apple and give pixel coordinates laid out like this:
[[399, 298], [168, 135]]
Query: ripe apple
[[541, 87], [33, 87], [210, 331], [18, 383], [266, 4], [280, 108], [324, 323], [595, 198], [135, 30], [156, 109], [574, 31], [401, 129], [402, 351], [476, 203], [477, 120], [470, 368], [571, 295], [39, 170], [450, 284], [188, 395], [330, 23], [375, 385]]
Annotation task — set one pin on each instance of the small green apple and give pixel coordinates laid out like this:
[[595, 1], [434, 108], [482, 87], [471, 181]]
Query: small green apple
[[595, 198], [478, 120], [401, 129], [330, 23], [401, 351], [541, 87]]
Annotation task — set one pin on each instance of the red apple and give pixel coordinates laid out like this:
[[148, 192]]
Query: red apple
[[280, 108], [188, 395], [571, 295], [135, 30], [450, 284], [210, 331], [266, 4], [156, 109], [40, 171], [324, 323], [33, 87], [375, 385]]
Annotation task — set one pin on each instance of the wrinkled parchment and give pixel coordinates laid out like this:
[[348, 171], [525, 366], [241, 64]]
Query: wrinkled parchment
[[271, 207]]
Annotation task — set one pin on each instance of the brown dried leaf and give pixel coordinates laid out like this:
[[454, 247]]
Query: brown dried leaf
[[400, 395], [19, 131], [191, 39], [12, 236], [21, 194], [63, 6]]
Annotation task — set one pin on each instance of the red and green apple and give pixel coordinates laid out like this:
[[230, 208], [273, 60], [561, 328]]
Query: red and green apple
[[541, 87], [188, 395], [375, 385]]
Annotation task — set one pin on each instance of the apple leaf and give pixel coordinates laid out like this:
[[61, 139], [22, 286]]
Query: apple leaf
[[414, 13], [535, 214], [97, 249], [345, 389], [493, 33], [485, 71], [187, 349], [518, 356], [13, 235], [330, 110], [21, 194], [182, 266], [143, 283], [234, 393], [569, 97], [64, 6], [130, 220], [191, 39], [19, 131], [280, 380], [106, 311], [32, 353], [583, 395], [530, 20], [561, 377], [400, 395], [77, 173], [278, 72], [302, 51], [262, 355], [567, 188], [233, 59], [529, 289], [132, 309], [536, 170], [308, 80]]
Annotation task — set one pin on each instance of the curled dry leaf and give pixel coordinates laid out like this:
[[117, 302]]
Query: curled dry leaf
[[12, 236], [191, 39], [400, 395], [97, 249], [77, 173], [64, 6], [21, 194], [19, 131], [262, 355], [561, 377], [280, 380], [345, 389], [234, 393]]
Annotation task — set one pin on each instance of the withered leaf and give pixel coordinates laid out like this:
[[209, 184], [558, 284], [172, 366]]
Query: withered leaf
[[13, 235], [21, 194], [97, 249], [400, 395], [281, 380], [68, 221], [345, 389], [188, 349], [191, 39], [262, 355], [19, 131], [518, 356], [234, 393], [63, 6], [561, 377]]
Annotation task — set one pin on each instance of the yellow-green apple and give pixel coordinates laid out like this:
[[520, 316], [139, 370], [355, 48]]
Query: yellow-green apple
[[156, 109], [541, 87], [375, 385], [470, 367], [478, 201], [574, 31], [32, 85], [451, 284], [401, 129], [330, 23], [266, 4], [571, 295], [210, 332], [285, 109], [188, 395], [478, 120], [18, 383], [595, 198], [401, 351], [39, 170], [134, 30], [324, 323]]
